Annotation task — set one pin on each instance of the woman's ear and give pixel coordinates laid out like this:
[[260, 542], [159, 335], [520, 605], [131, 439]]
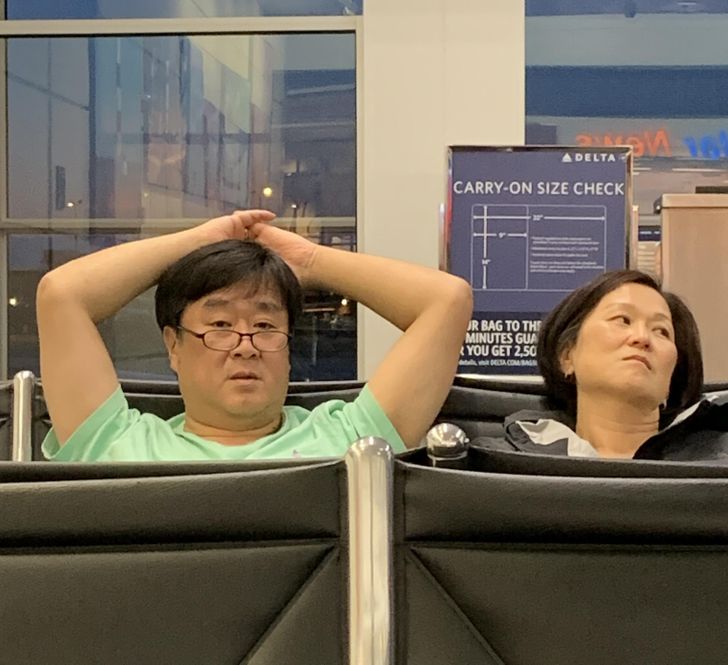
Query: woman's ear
[[169, 335], [566, 362]]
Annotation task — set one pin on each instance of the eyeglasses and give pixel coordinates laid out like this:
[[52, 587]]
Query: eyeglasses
[[227, 340]]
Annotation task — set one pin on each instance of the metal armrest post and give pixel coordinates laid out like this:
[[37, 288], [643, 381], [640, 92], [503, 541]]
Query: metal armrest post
[[369, 464], [23, 383]]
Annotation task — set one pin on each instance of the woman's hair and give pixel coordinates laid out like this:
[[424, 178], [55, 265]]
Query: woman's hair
[[559, 331], [219, 266]]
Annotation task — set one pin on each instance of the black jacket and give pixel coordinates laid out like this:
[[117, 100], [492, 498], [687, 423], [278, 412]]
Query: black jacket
[[699, 434]]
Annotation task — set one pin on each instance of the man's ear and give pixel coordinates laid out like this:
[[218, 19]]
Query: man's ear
[[171, 340]]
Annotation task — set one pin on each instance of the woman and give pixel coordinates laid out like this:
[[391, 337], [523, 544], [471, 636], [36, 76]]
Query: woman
[[622, 366]]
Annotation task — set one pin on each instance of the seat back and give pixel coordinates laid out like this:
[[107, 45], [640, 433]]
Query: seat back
[[479, 406], [185, 564], [591, 562], [164, 400], [6, 419]]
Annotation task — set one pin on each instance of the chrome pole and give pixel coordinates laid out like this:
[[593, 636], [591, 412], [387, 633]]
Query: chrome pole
[[369, 464], [23, 383]]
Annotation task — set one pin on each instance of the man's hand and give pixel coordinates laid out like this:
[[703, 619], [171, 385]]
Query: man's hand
[[233, 227], [295, 250]]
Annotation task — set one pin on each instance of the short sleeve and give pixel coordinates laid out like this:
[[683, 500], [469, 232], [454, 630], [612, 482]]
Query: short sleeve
[[331, 427], [95, 435], [369, 419]]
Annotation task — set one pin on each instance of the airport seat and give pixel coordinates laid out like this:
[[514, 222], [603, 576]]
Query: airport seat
[[174, 563], [6, 419], [163, 399], [716, 390], [539, 560], [478, 406]]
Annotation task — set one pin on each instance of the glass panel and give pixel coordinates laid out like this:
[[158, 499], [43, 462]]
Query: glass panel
[[627, 8], [132, 336], [323, 347], [175, 127], [611, 80], [111, 137], [99, 9]]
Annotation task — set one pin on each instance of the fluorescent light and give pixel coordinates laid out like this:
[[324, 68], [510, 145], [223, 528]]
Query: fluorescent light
[[696, 170]]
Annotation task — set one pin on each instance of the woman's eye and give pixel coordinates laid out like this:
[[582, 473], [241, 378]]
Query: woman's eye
[[264, 325], [220, 324], [622, 319], [664, 332]]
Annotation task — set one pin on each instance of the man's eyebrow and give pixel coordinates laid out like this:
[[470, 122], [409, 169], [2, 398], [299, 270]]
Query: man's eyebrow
[[213, 303], [262, 304], [268, 305]]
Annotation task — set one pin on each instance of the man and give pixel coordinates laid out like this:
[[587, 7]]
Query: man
[[226, 305]]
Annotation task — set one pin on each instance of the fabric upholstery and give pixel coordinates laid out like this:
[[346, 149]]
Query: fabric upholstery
[[6, 419], [235, 564], [477, 405], [564, 568]]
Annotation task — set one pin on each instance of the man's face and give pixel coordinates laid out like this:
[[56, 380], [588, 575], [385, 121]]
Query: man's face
[[240, 389]]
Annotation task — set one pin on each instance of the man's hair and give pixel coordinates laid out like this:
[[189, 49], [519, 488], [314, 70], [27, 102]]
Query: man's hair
[[221, 265], [561, 327]]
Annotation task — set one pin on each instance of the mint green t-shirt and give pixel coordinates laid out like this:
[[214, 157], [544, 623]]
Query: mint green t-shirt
[[117, 433]]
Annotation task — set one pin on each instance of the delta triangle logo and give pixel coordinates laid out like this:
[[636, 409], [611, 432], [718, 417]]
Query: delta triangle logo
[[567, 158]]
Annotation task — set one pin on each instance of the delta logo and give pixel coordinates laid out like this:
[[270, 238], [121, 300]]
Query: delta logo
[[589, 157]]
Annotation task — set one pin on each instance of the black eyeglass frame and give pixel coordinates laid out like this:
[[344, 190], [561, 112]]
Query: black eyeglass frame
[[202, 336]]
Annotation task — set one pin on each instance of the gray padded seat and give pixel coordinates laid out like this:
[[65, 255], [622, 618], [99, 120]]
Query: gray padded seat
[[537, 560], [177, 563], [163, 399], [716, 390], [479, 406], [6, 419]]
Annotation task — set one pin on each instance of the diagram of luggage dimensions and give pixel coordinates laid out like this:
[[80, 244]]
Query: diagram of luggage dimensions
[[525, 247]]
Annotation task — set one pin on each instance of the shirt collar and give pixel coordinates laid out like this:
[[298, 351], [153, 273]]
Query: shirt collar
[[546, 431]]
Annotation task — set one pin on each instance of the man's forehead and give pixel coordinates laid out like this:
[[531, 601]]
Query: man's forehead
[[242, 295]]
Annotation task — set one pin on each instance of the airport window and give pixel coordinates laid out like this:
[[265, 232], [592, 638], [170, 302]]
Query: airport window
[[107, 9], [114, 138], [647, 73]]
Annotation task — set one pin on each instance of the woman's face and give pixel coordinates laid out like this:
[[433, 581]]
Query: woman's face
[[625, 347]]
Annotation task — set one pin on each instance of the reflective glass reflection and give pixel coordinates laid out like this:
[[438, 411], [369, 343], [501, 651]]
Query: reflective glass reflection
[[100, 9], [181, 127], [112, 137], [656, 82], [626, 8], [323, 345]]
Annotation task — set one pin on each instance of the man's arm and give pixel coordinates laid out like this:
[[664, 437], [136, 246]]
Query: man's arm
[[433, 309], [76, 369]]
